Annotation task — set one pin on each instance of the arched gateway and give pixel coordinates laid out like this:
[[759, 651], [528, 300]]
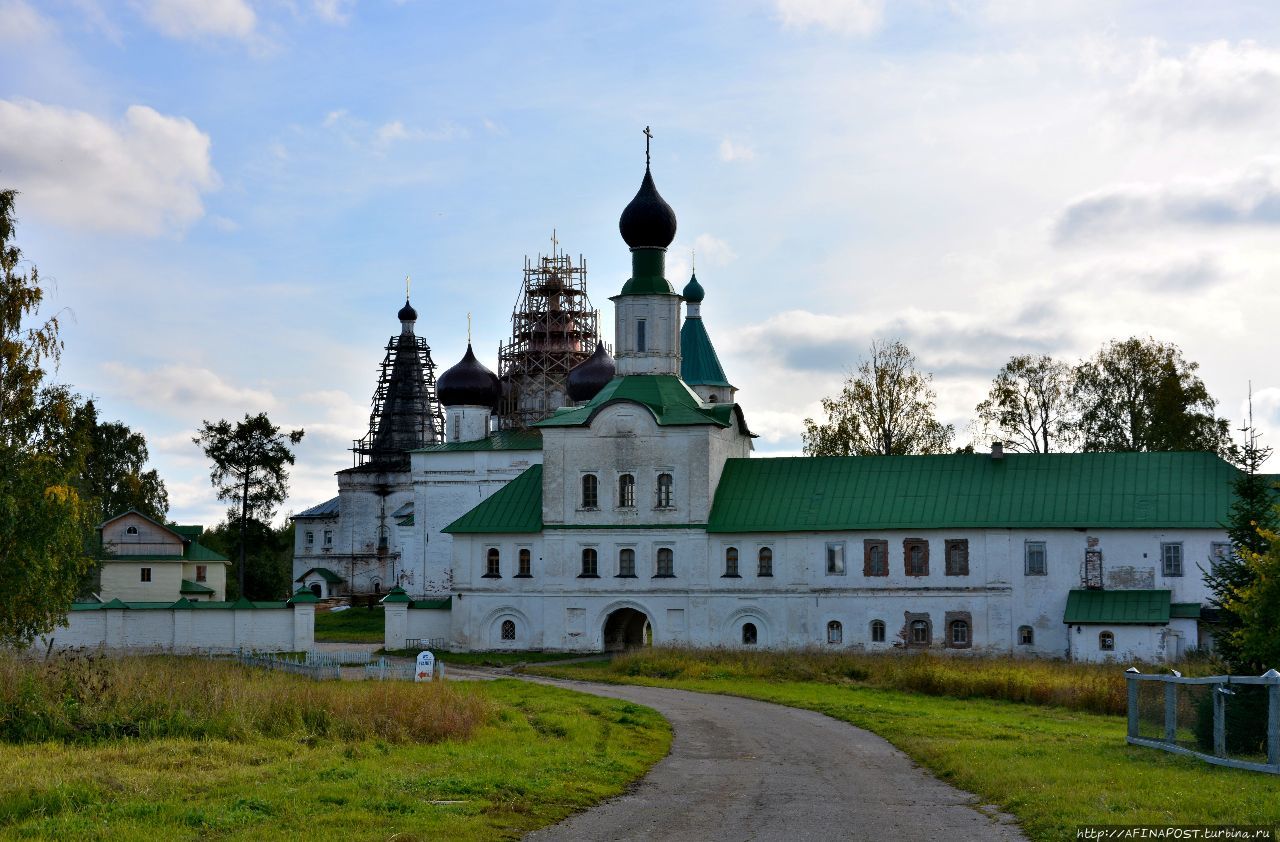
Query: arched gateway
[[626, 628]]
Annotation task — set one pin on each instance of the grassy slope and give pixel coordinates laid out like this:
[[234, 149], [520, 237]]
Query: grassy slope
[[548, 753], [1053, 768], [355, 625]]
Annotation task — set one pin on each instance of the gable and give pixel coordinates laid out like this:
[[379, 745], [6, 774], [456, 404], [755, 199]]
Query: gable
[[134, 534], [516, 508]]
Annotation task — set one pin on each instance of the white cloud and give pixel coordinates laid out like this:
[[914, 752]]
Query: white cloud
[[334, 117], [1248, 197], [1218, 83], [143, 174], [730, 151], [21, 23], [184, 391], [334, 11], [390, 132], [843, 17], [713, 251], [200, 18]]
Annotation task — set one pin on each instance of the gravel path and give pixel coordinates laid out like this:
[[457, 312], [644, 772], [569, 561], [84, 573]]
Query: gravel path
[[746, 770]]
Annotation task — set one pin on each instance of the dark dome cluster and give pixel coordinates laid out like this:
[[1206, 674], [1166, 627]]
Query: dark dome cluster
[[407, 313], [469, 383], [648, 222], [588, 377]]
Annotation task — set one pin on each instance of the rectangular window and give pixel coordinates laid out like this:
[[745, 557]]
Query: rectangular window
[[202, 572], [766, 562], [666, 563], [664, 491], [492, 564], [311, 538], [915, 556], [328, 537], [641, 339], [145, 574], [627, 563], [590, 491], [731, 563], [589, 570], [957, 550], [1172, 556], [875, 557], [1036, 561], [1220, 551], [525, 569], [835, 559]]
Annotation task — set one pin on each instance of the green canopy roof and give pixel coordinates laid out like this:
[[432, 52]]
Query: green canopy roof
[[667, 397], [699, 365], [1117, 607], [515, 508], [194, 587], [1022, 490], [500, 440]]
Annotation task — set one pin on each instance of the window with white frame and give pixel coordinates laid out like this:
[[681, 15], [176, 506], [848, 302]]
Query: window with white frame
[[920, 633], [626, 491], [311, 538], [1219, 552], [1106, 641], [835, 558], [835, 632], [590, 491], [666, 563], [328, 537], [664, 491], [1171, 556], [877, 631], [589, 564], [958, 633], [1036, 559], [766, 562], [627, 563], [492, 564], [524, 570]]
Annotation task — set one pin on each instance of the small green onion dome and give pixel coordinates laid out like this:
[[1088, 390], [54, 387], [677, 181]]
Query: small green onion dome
[[693, 292]]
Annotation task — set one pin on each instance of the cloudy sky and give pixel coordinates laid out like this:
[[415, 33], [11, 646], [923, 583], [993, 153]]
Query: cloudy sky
[[226, 195]]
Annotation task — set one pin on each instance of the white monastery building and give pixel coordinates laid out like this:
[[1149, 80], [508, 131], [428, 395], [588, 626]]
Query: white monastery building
[[636, 514]]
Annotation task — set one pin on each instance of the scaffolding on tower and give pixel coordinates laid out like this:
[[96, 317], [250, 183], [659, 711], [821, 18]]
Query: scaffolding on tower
[[553, 328], [406, 413]]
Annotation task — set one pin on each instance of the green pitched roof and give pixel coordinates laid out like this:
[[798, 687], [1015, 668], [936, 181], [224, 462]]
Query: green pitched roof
[[324, 573], [501, 440], [194, 587], [1117, 607], [199, 552], [1185, 610], [1065, 490], [667, 397], [699, 365], [397, 595], [191, 532], [515, 508], [191, 551]]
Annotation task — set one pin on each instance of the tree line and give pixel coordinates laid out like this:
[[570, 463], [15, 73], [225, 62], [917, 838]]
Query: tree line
[[1135, 394], [64, 470]]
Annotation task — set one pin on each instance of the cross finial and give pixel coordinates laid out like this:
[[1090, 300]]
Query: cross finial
[[468, 328], [554, 242], [648, 136], [693, 260], [406, 287]]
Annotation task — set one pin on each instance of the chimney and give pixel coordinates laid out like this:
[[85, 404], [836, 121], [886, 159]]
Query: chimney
[[997, 450]]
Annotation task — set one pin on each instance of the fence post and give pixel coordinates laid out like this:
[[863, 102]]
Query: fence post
[[1220, 720], [1170, 711], [1273, 725], [1133, 706]]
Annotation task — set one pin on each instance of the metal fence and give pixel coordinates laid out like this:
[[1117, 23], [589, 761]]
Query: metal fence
[[1229, 720], [328, 665], [424, 643], [281, 663]]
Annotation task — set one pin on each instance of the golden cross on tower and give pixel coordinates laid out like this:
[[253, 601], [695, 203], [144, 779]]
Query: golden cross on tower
[[648, 136]]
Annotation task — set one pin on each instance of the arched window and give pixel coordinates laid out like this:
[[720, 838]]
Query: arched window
[[589, 570], [877, 631], [1026, 636], [1107, 642], [377, 586], [492, 568], [508, 630], [766, 562], [627, 563], [590, 491], [731, 562], [920, 632], [626, 491], [835, 632], [316, 589], [666, 563], [525, 570], [132, 530], [748, 634], [664, 491], [958, 633]]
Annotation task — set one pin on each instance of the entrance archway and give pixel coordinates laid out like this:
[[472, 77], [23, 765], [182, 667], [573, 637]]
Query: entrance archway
[[625, 629], [315, 589]]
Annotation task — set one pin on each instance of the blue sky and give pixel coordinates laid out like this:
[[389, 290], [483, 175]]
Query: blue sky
[[227, 194]]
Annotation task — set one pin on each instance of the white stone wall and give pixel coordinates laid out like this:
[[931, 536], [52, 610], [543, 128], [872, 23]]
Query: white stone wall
[[404, 623], [1133, 642], [288, 629], [661, 315]]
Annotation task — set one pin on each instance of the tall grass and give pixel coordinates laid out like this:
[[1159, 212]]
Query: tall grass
[[1097, 688], [85, 698]]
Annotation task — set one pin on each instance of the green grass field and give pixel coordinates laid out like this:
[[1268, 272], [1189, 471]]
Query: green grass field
[[355, 625], [1052, 768], [242, 754]]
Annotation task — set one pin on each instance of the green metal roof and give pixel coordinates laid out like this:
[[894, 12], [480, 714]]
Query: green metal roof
[[192, 551], [437, 604], [1185, 610], [199, 552], [192, 532], [189, 586], [1117, 607], [515, 508], [667, 397], [1022, 490], [324, 573], [500, 440], [699, 365], [397, 594], [648, 270]]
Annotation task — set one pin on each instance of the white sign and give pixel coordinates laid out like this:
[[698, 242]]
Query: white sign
[[426, 667]]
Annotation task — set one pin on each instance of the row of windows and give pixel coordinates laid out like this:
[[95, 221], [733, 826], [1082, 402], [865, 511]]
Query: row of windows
[[663, 491], [664, 564], [915, 557], [328, 538], [764, 563], [202, 573]]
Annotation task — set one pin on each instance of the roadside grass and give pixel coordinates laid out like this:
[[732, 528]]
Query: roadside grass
[[355, 625], [540, 754], [489, 659], [1053, 768]]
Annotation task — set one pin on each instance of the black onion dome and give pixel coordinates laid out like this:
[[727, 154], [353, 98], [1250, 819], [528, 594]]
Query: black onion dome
[[469, 383], [588, 377], [648, 222], [407, 313]]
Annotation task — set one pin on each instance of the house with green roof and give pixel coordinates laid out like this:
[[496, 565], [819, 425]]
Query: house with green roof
[[148, 561]]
